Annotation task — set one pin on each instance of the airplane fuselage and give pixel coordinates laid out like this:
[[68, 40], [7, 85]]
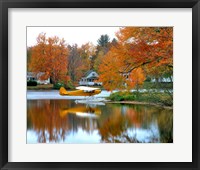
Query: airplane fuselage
[[64, 92]]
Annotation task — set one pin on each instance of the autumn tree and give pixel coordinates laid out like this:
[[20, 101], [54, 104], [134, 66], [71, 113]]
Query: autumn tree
[[77, 64], [88, 52], [98, 59], [147, 46], [103, 46], [29, 54], [135, 78], [50, 57], [137, 47], [114, 42]]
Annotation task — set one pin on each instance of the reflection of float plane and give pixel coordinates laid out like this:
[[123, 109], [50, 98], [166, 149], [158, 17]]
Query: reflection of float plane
[[80, 91], [81, 111]]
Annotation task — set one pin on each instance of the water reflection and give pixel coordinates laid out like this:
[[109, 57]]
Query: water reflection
[[64, 121], [83, 111]]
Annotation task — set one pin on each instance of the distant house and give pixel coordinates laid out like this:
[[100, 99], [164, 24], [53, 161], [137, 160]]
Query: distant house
[[163, 80], [90, 79], [36, 77]]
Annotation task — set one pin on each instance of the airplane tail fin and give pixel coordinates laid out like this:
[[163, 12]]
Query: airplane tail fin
[[63, 91]]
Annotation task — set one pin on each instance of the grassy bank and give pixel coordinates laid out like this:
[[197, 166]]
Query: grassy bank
[[151, 85], [159, 98], [41, 87]]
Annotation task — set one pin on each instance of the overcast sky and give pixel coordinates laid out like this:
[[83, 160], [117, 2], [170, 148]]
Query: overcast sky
[[72, 35]]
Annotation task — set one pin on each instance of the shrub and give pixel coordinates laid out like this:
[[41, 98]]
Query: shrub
[[121, 96], [129, 97], [115, 97], [58, 85], [153, 97], [148, 79], [69, 85], [31, 83]]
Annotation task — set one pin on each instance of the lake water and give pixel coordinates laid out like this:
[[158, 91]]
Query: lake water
[[64, 121]]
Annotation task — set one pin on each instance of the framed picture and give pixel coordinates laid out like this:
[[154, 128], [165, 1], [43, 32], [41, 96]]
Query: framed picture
[[99, 85]]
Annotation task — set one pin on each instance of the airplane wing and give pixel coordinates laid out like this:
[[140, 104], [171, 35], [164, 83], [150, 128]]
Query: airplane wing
[[86, 89]]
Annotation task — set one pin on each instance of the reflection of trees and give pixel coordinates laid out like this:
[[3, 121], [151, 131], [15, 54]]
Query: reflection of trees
[[113, 127], [43, 116], [46, 121], [165, 123], [86, 124], [116, 127], [53, 120]]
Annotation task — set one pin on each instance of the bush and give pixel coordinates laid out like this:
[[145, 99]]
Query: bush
[[121, 96], [148, 79], [152, 97], [58, 85], [129, 97], [115, 97], [31, 83], [69, 85]]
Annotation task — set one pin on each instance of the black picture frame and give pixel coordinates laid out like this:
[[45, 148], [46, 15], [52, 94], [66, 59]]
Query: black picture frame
[[4, 99]]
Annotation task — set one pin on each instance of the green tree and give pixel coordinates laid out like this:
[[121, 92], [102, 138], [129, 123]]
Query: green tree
[[103, 47], [103, 40]]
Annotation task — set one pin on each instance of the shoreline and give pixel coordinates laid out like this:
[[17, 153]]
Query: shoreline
[[141, 103], [53, 94]]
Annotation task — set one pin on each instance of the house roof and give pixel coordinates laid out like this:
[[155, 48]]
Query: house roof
[[88, 72], [91, 76]]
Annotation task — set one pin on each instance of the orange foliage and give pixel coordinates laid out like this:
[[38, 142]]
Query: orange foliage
[[109, 72], [50, 56], [136, 78], [138, 48], [148, 45]]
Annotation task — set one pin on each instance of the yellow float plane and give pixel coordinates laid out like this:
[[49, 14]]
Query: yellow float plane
[[80, 91]]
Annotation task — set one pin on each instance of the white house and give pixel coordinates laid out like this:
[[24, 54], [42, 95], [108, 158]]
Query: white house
[[36, 77], [163, 80], [90, 79]]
